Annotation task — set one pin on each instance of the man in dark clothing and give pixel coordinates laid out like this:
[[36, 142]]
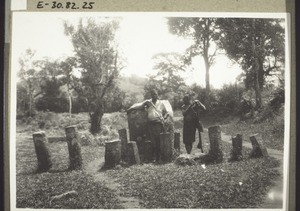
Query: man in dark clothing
[[191, 122]]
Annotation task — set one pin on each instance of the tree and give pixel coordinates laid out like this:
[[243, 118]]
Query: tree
[[67, 67], [50, 80], [96, 52], [167, 81], [29, 79], [257, 45], [202, 32]]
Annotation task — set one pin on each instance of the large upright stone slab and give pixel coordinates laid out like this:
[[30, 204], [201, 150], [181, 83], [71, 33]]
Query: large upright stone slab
[[124, 142], [42, 152], [133, 153], [74, 147], [112, 153], [166, 147], [215, 152], [237, 146], [138, 126], [258, 147]]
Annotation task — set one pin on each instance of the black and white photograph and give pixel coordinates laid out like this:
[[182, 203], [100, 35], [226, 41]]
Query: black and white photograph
[[141, 110]]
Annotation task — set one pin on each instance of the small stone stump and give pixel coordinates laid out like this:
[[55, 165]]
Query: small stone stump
[[177, 141], [74, 147], [166, 147], [42, 152], [112, 153], [124, 141], [215, 152], [259, 149], [237, 146], [148, 151], [133, 153]]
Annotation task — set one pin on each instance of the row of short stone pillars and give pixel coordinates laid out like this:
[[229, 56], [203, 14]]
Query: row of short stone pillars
[[44, 156], [127, 151], [122, 150]]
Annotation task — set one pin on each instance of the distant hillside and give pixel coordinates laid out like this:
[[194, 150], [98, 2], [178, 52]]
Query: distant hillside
[[133, 85]]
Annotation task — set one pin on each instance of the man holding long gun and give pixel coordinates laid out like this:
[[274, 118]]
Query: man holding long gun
[[191, 122]]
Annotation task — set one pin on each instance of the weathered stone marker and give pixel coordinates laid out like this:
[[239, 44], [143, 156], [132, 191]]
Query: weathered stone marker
[[237, 146], [138, 126], [124, 141], [259, 149], [133, 153], [112, 153], [42, 152], [215, 152], [148, 151], [177, 141], [166, 147], [74, 147]]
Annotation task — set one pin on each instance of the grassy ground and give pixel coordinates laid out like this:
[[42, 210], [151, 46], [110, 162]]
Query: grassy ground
[[226, 185], [35, 190], [271, 129], [235, 185]]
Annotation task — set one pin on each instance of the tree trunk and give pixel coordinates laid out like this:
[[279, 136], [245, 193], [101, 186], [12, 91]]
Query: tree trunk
[[256, 69], [261, 76], [207, 66], [96, 118], [258, 100], [70, 102], [30, 100]]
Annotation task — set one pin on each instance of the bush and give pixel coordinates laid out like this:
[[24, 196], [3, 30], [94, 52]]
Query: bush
[[53, 104], [229, 98], [225, 101]]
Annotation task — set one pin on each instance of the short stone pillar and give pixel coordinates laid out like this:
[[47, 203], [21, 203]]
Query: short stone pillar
[[112, 153], [74, 147], [215, 152], [166, 147], [133, 153], [42, 152], [177, 141], [237, 146], [148, 151], [259, 149], [124, 141]]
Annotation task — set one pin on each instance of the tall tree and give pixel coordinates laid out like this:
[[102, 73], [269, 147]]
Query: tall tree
[[167, 81], [257, 45], [169, 65], [67, 67], [96, 52], [202, 32], [28, 76]]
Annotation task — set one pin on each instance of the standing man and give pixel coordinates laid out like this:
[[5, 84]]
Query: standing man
[[157, 114], [191, 122]]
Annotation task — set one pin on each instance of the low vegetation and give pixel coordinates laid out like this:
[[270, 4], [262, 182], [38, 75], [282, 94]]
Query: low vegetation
[[225, 185]]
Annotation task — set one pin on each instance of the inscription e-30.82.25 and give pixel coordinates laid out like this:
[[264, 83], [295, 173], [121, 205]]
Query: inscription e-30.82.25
[[65, 5]]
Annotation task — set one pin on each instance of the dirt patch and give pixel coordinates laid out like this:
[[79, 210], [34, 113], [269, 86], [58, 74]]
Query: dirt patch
[[99, 176]]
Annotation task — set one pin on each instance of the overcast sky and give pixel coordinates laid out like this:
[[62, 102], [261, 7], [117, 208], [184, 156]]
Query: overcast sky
[[140, 36]]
